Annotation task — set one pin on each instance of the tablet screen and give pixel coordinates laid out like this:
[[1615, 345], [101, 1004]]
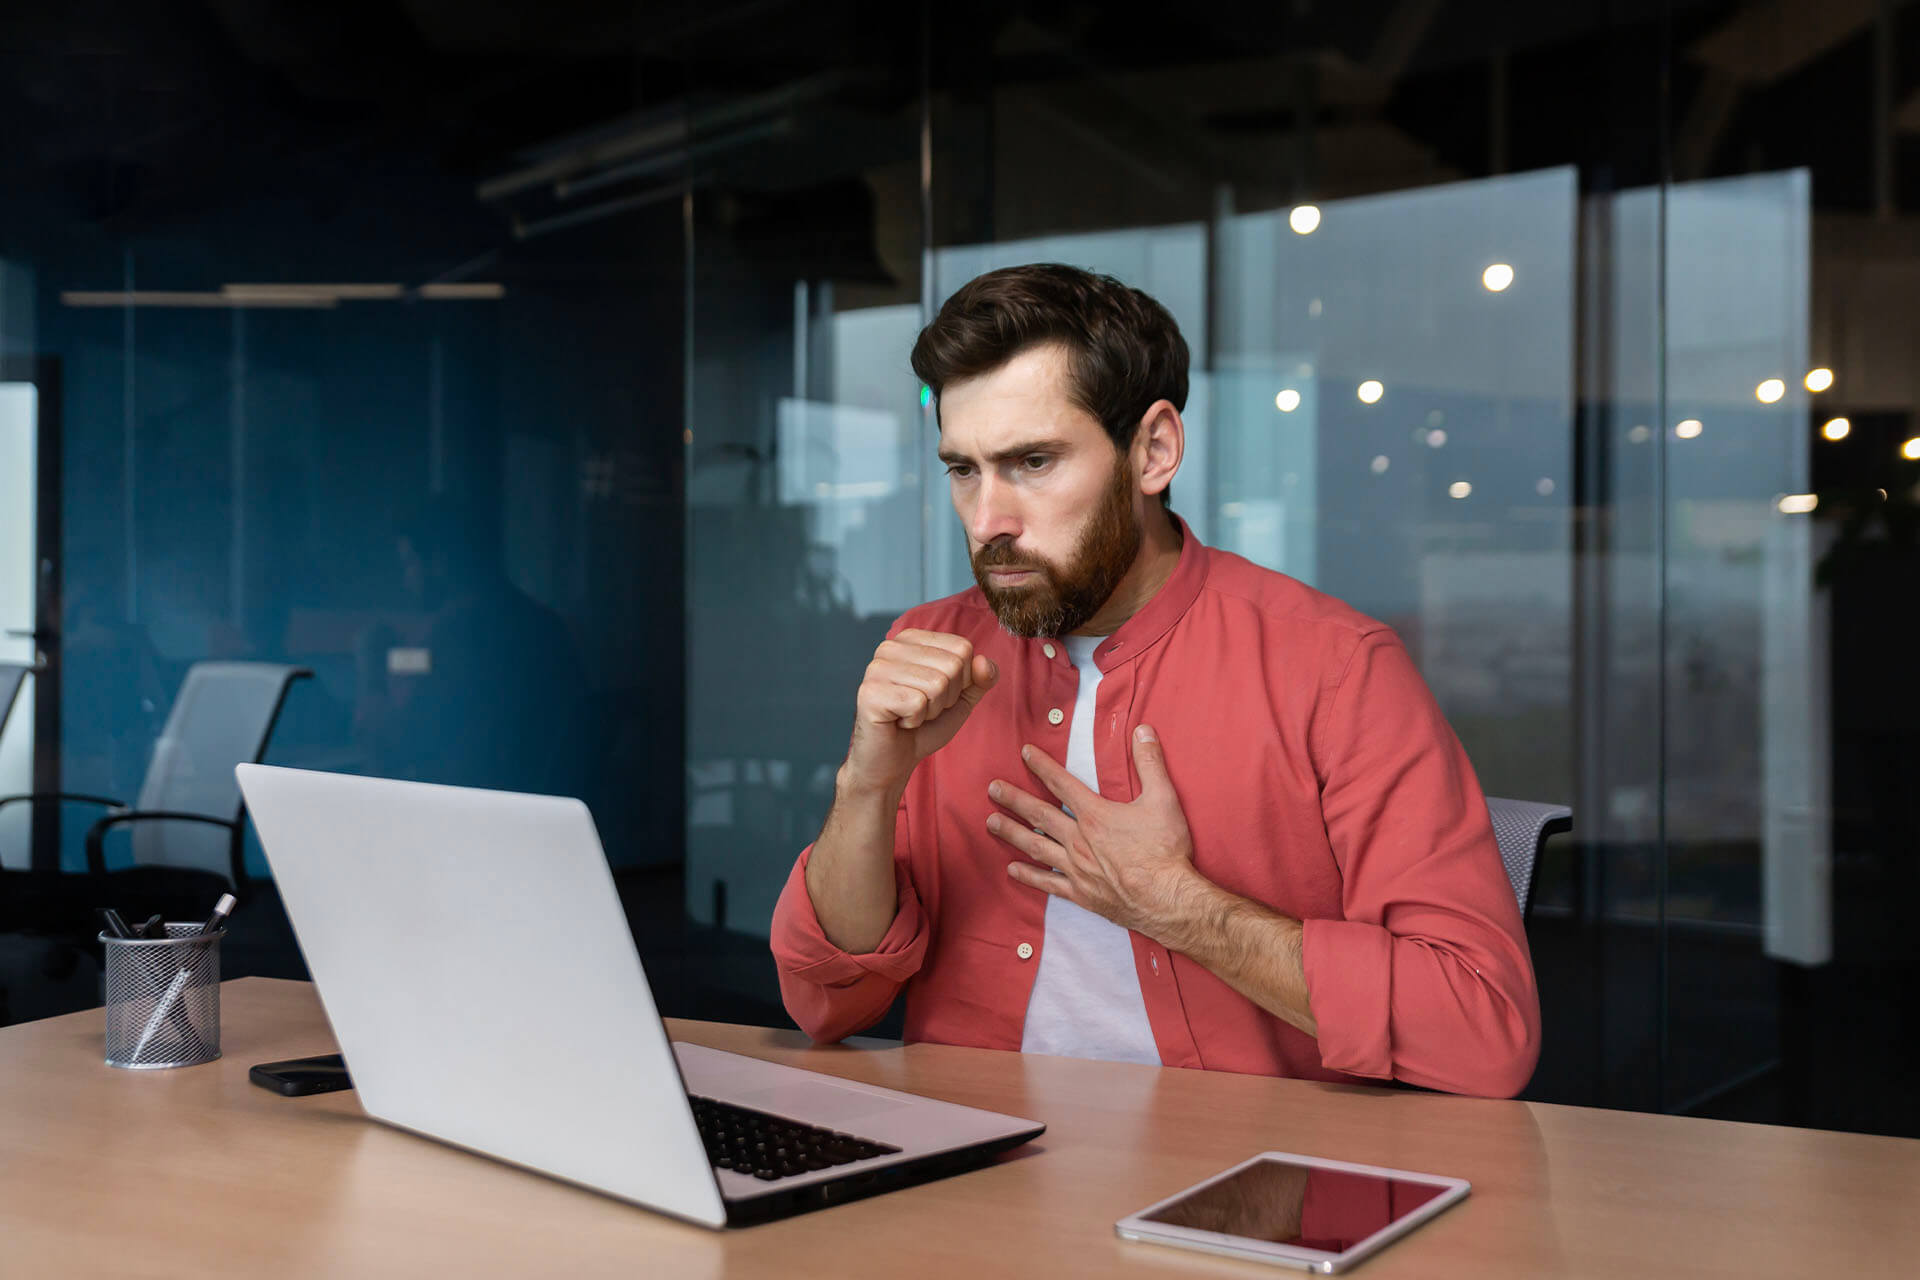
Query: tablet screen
[[1298, 1204]]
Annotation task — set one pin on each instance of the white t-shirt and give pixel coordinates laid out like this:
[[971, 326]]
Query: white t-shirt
[[1086, 1000]]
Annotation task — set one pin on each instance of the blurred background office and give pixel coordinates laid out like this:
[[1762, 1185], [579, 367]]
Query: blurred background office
[[520, 392]]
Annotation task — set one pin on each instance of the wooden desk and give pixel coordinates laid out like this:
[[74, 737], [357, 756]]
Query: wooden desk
[[196, 1172]]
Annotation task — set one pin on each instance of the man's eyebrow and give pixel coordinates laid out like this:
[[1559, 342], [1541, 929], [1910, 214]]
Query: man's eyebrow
[[1021, 450]]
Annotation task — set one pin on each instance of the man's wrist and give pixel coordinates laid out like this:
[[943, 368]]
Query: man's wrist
[[849, 787], [1196, 916]]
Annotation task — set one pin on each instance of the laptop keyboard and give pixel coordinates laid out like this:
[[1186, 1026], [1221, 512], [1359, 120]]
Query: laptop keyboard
[[770, 1147]]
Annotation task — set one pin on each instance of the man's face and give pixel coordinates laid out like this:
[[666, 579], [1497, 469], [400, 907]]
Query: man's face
[[1049, 506]]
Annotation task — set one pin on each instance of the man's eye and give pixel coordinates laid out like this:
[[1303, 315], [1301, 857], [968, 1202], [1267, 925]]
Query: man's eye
[[959, 471], [1034, 461]]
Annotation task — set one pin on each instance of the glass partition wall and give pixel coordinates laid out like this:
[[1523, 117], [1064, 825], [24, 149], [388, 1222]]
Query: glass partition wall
[[1498, 334], [546, 394]]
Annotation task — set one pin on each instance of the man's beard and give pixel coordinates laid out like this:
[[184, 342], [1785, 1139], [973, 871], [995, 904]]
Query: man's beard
[[1063, 599]]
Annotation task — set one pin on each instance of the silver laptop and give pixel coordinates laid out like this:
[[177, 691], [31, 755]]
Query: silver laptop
[[478, 971]]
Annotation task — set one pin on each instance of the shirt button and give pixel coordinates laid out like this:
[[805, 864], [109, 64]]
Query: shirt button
[[1048, 649], [1024, 951], [1055, 716]]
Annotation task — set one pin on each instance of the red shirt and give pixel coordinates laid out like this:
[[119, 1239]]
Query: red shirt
[[1317, 776]]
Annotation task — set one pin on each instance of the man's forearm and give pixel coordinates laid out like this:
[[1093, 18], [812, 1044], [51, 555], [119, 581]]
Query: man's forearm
[[850, 872], [1252, 948]]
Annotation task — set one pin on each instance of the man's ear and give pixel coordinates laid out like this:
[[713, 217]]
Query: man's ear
[[1158, 447]]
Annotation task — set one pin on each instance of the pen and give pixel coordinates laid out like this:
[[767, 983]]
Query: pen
[[153, 928], [115, 925], [221, 910]]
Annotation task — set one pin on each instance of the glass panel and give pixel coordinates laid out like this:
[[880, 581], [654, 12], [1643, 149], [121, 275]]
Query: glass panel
[[19, 539], [805, 489], [369, 366], [1743, 767], [1792, 280]]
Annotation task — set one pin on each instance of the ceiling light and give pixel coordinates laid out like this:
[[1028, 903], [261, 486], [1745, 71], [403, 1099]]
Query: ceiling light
[[1836, 428], [349, 292], [1770, 391], [1380, 464], [1911, 449], [1370, 392], [1287, 401], [1640, 434], [1459, 489], [1688, 429], [1436, 438], [1544, 488], [462, 292], [1497, 277], [1819, 379], [1798, 504], [184, 298], [1304, 219]]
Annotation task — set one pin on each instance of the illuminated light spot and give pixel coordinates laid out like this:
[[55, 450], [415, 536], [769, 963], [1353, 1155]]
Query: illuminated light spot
[[1770, 391], [1798, 504], [1837, 428], [1497, 277], [1287, 401], [1688, 428], [1305, 219], [1370, 391], [1459, 489], [1819, 379]]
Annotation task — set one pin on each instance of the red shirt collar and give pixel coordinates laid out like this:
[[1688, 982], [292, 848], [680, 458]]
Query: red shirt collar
[[1168, 605]]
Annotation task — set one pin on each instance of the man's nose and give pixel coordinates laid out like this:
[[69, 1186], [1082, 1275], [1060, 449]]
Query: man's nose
[[994, 513]]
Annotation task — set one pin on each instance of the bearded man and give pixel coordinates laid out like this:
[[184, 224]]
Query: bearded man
[[1134, 798]]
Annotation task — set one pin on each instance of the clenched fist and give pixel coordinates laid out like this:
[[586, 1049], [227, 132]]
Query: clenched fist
[[919, 689]]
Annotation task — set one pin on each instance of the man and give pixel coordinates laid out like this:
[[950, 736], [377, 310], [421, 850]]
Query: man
[[1137, 799]]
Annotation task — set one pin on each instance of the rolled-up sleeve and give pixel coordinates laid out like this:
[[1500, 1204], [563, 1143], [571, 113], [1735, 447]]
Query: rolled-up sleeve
[[831, 993], [1427, 978]]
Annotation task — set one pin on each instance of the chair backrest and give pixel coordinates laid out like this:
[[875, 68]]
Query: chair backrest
[[223, 716], [1521, 827], [12, 676]]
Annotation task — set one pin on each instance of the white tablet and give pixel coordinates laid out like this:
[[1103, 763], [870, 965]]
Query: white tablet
[[1298, 1211]]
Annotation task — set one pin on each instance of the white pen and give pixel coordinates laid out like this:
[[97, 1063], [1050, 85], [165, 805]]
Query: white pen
[[221, 910]]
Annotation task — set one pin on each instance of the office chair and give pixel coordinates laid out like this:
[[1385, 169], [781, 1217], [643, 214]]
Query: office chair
[[1521, 828], [188, 816]]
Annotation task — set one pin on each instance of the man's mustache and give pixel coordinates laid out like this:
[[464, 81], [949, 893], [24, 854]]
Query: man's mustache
[[1002, 556]]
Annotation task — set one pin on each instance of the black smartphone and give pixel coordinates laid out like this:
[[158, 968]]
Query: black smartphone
[[298, 1077]]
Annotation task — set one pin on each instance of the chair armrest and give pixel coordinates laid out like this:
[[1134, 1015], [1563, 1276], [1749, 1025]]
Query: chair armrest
[[97, 837], [64, 797]]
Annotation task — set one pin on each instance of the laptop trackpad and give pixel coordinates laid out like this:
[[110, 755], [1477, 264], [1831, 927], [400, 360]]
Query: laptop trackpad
[[827, 1105]]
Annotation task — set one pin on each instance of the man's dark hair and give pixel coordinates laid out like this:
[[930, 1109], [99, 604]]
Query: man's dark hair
[[1124, 351]]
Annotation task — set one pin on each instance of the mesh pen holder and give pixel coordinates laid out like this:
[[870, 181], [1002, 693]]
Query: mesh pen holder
[[163, 998]]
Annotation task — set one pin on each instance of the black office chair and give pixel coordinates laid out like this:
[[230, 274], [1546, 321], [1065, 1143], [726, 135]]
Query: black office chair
[[1521, 828], [188, 821]]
